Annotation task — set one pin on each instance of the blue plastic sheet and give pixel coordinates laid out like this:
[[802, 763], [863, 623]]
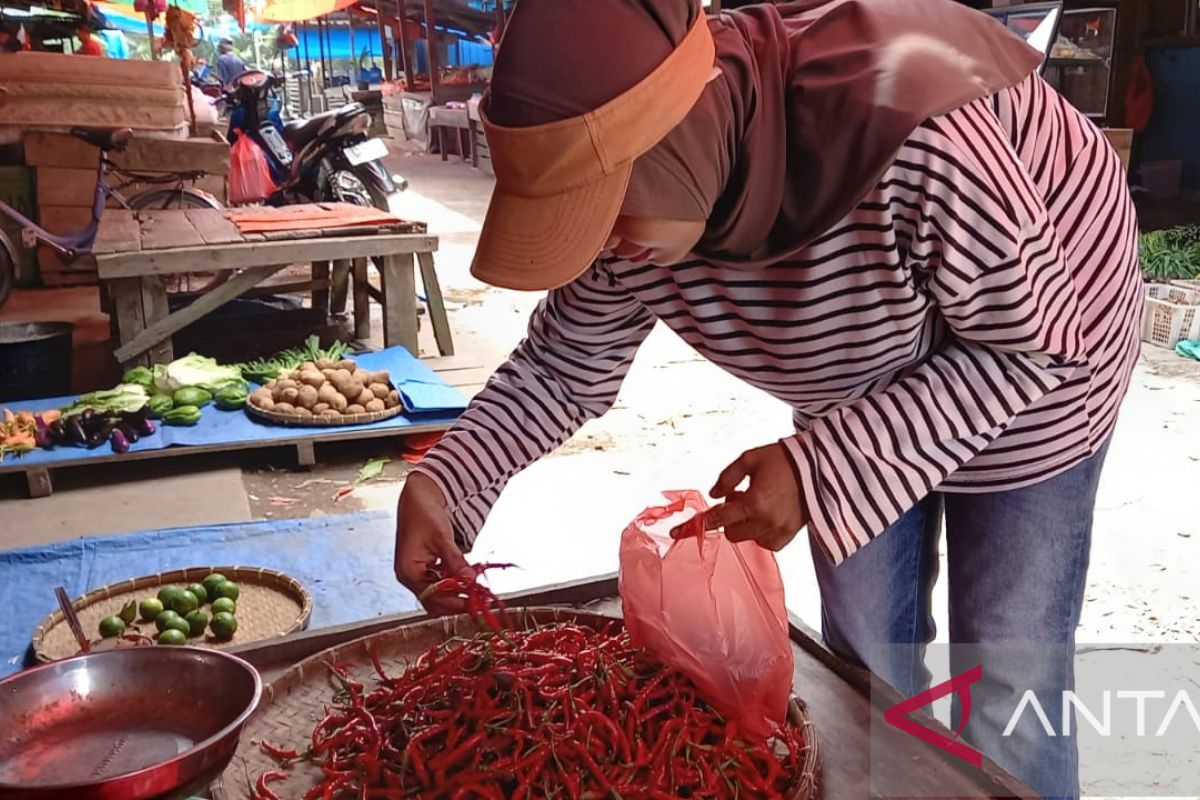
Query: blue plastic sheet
[[430, 399], [344, 561]]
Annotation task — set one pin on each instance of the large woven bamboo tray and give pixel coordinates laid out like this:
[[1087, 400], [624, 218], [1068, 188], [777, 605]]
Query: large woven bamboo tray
[[269, 604], [295, 701]]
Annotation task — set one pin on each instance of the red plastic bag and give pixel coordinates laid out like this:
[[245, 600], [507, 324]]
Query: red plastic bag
[[249, 174], [712, 608]]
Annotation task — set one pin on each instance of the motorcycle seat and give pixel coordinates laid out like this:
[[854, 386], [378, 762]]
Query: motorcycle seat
[[299, 132], [104, 138]]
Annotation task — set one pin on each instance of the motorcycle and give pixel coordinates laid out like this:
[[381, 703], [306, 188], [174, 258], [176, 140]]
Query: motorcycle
[[327, 157]]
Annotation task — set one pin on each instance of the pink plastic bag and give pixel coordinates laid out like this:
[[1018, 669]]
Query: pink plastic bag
[[712, 608], [249, 174]]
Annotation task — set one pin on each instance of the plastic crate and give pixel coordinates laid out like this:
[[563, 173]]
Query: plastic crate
[[1172, 313]]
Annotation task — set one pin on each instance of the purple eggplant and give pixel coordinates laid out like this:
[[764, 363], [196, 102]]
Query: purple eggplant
[[146, 426], [120, 443], [41, 434], [100, 435], [130, 431], [58, 431], [74, 431]]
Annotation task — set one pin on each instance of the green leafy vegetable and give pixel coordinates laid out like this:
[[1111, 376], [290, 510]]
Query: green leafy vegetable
[[264, 369], [127, 397], [141, 376], [194, 370], [372, 469], [1171, 254]]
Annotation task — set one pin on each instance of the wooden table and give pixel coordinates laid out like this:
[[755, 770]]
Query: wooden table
[[135, 249], [836, 693]]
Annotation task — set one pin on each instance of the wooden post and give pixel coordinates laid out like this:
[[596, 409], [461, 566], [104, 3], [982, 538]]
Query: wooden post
[[406, 51], [150, 32], [384, 49], [431, 56]]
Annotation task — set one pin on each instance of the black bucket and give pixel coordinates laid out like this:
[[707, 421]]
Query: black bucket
[[35, 360]]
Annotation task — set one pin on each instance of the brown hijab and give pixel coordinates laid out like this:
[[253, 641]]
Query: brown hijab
[[810, 105]]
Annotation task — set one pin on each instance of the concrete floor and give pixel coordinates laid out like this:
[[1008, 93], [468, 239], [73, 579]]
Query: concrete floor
[[678, 422]]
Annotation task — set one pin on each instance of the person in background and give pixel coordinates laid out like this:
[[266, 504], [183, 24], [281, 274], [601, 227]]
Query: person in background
[[89, 45], [229, 64], [201, 70], [8, 42], [115, 43]]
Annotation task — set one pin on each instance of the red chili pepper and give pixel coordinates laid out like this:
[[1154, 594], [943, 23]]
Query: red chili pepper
[[261, 792], [278, 753]]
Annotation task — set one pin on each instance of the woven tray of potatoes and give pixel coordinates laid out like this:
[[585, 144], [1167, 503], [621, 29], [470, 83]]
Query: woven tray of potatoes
[[326, 392]]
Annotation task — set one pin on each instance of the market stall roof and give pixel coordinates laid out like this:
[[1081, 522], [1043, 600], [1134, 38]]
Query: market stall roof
[[462, 15]]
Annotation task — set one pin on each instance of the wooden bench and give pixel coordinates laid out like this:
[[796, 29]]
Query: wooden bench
[[134, 250]]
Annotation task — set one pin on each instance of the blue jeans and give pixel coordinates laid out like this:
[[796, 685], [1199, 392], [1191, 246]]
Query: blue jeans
[[1017, 564]]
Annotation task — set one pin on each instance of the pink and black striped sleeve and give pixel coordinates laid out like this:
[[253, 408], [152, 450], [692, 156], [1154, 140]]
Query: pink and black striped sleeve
[[978, 238], [569, 368]]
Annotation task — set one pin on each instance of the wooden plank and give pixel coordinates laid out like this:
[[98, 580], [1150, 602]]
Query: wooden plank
[[399, 303], [49, 149], [362, 301], [340, 290], [320, 297], [57, 186], [213, 226], [204, 304], [155, 309], [118, 233], [168, 228], [306, 456], [437, 306], [126, 296], [121, 264], [37, 481]]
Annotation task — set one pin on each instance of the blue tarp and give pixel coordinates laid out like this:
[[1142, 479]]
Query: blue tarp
[[430, 399], [345, 562]]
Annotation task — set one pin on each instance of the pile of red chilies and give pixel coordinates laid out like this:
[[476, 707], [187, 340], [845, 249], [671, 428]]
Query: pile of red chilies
[[561, 711]]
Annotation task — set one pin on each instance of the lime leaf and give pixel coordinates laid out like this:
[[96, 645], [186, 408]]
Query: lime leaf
[[129, 612], [372, 469]]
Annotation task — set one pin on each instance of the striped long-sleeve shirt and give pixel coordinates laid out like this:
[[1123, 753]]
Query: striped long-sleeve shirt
[[970, 326]]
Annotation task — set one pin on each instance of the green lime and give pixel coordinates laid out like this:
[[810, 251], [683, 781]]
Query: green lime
[[151, 607], [224, 625], [211, 583], [227, 589], [224, 604], [180, 624], [185, 603], [165, 619], [197, 621], [172, 636], [112, 627], [200, 592], [168, 593]]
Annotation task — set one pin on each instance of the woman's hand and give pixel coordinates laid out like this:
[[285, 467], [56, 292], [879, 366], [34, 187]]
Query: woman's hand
[[771, 509], [425, 548]]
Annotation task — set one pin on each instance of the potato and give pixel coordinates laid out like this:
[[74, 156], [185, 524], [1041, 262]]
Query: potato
[[266, 404], [361, 375], [286, 383], [374, 405], [354, 408], [289, 395], [320, 408], [338, 403], [312, 377], [303, 413], [305, 366], [380, 377], [393, 399], [307, 397], [347, 365], [380, 390], [326, 393], [258, 395], [365, 397], [328, 372], [326, 363], [285, 408], [352, 390]]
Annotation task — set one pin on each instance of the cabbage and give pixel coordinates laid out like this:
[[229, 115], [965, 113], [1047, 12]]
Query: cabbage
[[124, 397], [194, 370]]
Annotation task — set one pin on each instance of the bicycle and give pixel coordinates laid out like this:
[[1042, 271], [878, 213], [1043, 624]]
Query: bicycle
[[77, 244]]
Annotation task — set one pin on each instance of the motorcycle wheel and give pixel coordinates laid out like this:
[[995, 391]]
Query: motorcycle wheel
[[358, 186], [182, 198]]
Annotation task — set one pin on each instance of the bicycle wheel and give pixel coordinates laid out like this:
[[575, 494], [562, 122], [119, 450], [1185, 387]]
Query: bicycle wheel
[[182, 197]]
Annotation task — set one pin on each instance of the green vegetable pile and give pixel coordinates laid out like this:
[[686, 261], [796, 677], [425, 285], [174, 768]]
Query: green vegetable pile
[[177, 391], [1171, 254], [178, 613], [264, 369]]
